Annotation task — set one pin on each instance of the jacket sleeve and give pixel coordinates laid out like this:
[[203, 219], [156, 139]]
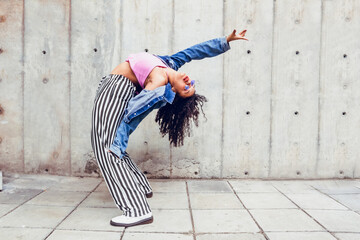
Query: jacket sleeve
[[210, 48]]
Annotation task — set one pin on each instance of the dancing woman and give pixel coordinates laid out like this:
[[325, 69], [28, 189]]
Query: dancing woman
[[142, 83]]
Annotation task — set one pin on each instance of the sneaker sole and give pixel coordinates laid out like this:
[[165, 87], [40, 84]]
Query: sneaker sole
[[141, 222]]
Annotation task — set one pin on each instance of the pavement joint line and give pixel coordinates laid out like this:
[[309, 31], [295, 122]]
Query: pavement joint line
[[307, 213], [329, 195], [190, 210], [122, 233], [261, 230], [72, 210], [22, 204]]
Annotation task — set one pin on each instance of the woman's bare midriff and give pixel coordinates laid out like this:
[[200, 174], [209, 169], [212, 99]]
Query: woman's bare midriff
[[125, 70]]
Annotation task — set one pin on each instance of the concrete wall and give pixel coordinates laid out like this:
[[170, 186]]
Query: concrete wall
[[283, 105]]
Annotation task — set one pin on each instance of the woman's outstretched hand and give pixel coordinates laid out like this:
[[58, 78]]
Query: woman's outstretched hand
[[233, 36]]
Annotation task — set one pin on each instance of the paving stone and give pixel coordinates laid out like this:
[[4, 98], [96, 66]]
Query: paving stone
[[336, 186], [76, 184], [300, 236], [167, 221], [238, 236], [58, 198], [35, 216], [168, 186], [348, 236], [337, 221], [315, 201], [265, 200], [209, 186], [31, 181], [102, 188], [215, 201], [94, 219], [83, 235], [294, 186], [249, 186], [169, 201], [352, 201], [156, 236], [17, 196], [232, 221], [5, 208], [99, 199], [285, 220], [24, 233]]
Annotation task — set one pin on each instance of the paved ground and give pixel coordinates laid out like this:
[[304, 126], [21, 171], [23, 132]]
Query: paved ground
[[51, 207]]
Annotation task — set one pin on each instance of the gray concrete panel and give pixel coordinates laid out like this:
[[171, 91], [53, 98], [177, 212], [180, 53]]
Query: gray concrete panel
[[195, 22], [11, 86], [148, 30], [95, 51], [247, 90], [339, 96], [295, 74], [46, 89]]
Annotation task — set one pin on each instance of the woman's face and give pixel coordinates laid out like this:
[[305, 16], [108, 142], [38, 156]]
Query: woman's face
[[181, 84]]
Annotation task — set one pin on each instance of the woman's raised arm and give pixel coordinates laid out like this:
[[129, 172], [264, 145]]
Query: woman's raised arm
[[210, 48]]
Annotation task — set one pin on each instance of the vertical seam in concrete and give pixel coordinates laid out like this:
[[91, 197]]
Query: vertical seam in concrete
[[23, 84], [222, 101], [172, 32], [319, 92], [271, 88], [121, 27], [69, 77]]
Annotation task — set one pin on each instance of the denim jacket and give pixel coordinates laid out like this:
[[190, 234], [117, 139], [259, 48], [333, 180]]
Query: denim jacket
[[147, 100]]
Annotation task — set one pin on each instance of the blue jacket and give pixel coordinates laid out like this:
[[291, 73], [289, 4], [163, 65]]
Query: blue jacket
[[147, 100]]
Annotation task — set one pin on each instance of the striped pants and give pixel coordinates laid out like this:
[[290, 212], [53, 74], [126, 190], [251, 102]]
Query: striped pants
[[126, 183]]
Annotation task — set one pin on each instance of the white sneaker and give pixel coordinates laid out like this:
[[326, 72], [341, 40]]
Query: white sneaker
[[125, 221]]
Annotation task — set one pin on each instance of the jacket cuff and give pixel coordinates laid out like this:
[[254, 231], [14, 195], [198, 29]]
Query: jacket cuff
[[224, 44], [116, 150]]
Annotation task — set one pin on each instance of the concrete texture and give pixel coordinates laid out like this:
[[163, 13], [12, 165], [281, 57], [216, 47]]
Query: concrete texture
[[282, 105], [181, 211]]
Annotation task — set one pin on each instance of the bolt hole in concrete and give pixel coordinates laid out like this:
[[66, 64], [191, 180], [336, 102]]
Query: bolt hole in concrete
[[246, 172], [196, 173], [248, 51], [46, 170], [247, 113], [296, 113], [341, 172], [44, 52], [45, 80], [345, 56], [297, 52], [298, 172], [146, 172], [95, 50], [146, 50], [344, 113]]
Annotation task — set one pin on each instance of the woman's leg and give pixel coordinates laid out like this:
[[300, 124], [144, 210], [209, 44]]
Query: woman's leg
[[110, 102], [138, 175]]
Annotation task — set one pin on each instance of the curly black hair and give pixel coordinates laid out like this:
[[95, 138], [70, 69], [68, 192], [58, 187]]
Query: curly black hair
[[175, 119]]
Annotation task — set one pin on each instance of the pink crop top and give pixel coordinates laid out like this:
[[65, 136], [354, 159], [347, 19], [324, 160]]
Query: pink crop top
[[142, 64]]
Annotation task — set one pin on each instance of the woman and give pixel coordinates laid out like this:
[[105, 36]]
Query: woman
[[119, 108]]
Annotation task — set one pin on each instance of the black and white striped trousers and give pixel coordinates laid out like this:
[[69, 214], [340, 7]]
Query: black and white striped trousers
[[126, 183]]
